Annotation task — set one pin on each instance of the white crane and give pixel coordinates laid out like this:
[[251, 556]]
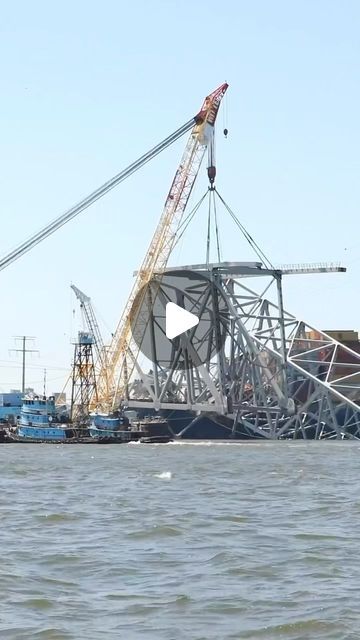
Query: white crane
[[91, 323]]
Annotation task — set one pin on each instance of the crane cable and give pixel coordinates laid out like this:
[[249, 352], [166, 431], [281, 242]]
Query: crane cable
[[212, 212], [259, 252], [186, 222], [208, 233], [216, 230]]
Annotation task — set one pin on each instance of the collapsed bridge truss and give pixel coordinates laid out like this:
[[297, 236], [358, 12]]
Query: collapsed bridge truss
[[249, 363]]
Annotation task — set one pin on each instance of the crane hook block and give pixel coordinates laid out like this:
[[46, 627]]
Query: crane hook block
[[211, 174], [226, 133]]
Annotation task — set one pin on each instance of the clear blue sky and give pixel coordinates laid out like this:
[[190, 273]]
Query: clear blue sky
[[87, 87]]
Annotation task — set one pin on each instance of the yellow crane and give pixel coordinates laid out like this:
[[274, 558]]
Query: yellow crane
[[202, 136], [123, 350]]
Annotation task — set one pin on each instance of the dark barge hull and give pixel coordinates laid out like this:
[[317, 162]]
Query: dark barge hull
[[187, 426], [204, 427]]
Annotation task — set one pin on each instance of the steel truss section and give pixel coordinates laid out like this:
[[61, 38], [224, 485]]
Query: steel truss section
[[257, 368]]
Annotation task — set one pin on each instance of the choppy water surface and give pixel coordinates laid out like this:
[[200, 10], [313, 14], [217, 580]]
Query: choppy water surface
[[180, 541]]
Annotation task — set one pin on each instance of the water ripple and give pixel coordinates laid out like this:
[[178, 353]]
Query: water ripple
[[238, 540]]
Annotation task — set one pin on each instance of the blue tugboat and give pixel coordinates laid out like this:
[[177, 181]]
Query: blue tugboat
[[38, 422], [112, 428]]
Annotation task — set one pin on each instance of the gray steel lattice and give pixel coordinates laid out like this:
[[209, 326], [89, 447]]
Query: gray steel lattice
[[266, 373]]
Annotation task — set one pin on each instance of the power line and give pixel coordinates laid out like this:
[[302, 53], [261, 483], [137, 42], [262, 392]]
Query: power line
[[24, 351], [11, 365]]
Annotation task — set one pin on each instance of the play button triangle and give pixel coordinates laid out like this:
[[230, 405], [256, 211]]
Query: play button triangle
[[178, 320]]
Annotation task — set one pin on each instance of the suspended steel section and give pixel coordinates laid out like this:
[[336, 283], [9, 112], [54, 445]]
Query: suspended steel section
[[274, 375]]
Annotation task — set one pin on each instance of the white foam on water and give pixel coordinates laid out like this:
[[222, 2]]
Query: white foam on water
[[164, 475], [216, 443]]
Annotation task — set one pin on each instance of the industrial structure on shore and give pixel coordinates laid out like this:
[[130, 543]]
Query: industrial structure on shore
[[248, 369]]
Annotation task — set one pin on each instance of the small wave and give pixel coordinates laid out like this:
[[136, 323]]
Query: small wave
[[38, 603], [232, 518], [306, 627], [58, 517], [181, 600], [154, 532], [19, 471], [59, 559], [218, 558], [164, 475], [217, 443], [50, 634], [225, 608], [318, 536]]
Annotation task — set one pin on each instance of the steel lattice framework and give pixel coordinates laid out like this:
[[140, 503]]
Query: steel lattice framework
[[90, 321], [255, 367], [83, 378]]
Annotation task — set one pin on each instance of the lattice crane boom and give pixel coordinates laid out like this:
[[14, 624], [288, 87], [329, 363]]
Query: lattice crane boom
[[118, 370], [91, 321], [74, 211], [93, 327]]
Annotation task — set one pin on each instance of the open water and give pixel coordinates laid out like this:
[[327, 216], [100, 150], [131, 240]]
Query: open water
[[181, 541]]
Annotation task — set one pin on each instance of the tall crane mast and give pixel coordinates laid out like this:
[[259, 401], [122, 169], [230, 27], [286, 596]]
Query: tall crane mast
[[94, 329], [91, 322], [113, 379]]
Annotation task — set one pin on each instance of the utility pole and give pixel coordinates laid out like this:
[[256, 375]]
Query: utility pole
[[24, 351]]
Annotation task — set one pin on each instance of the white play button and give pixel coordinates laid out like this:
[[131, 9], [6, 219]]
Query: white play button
[[178, 320], [178, 330]]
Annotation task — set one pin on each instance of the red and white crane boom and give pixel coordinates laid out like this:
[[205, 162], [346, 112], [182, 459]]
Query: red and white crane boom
[[122, 353]]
